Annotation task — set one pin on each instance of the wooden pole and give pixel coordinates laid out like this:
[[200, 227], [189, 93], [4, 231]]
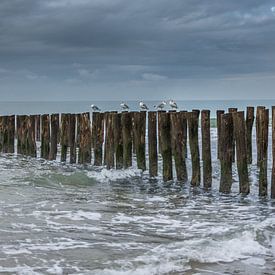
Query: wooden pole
[[249, 126], [45, 136], [72, 137], [263, 146], [159, 130], [239, 132], [77, 129], [106, 114], [165, 142], [192, 118], [31, 144], [85, 142], [184, 127], [226, 138], [54, 136], [152, 144], [233, 110], [5, 145], [1, 133], [98, 121], [118, 142], [126, 121], [273, 155], [109, 141], [139, 128], [177, 137], [37, 127], [64, 136], [218, 114], [19, 133], [22, 134], [206, 148], [258, 134]]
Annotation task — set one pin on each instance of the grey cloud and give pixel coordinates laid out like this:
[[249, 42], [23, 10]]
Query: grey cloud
[[121, 44]]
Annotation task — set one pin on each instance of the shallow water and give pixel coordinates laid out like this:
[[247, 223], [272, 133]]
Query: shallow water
[[63, 219]]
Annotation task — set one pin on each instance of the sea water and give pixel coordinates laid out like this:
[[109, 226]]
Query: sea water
[[71, 219]]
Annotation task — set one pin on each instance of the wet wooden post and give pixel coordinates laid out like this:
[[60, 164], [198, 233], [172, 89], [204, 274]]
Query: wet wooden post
[[5, 146], [77, 129], [64, 136], [263, 147], [192, 118], [273, 155], [226, 138], [184, 127], [18, 133], [177, 132], [165, 146], [206, 148], [139, 128], [158, 129], [11, 134], [249, 126], [72, 137], [85, 139], [218, 114], [1, 134], [45, 136], [233, 110], [98, 121], [239, 132], [37, 127], [258, 134], [133, 134], [152, 144], [126, 121], [54, 136], [109, 141], [22, 121], [31, 144], [118, 142]]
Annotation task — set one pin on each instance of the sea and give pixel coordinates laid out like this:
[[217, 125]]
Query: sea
[[58, 218]]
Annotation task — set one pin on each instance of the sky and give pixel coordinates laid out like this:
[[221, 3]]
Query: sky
[[131, 50]]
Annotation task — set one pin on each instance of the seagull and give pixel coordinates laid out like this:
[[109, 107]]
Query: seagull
[[173, 104], [95, 108], [124, 106], [161, 105], [143, 106]]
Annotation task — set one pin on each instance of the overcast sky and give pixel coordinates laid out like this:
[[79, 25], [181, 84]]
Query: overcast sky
[[151, 49]]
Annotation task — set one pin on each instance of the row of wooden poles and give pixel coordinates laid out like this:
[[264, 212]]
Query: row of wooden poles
[[114, 137]]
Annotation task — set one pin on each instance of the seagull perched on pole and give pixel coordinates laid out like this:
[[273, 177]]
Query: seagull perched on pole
[[95, 108], [161, 105], [143, 106], [173, 104], [124, 106]]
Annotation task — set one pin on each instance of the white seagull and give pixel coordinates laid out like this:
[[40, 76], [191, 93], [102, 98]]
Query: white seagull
[[173, 104], [124, 106], [95, 108], [160, 106], [143, 106]]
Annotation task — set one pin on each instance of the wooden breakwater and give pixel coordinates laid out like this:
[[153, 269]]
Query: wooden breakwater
[[113, 139]]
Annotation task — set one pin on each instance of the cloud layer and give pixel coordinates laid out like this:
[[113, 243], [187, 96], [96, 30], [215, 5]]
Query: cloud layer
[[77, 49]]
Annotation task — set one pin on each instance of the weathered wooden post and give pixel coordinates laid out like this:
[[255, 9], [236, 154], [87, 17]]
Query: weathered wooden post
[[218, 114], [263, 147], [192, 118], [226, 138], [98, 121], [184, 127], [72, 137], [126, 121], [177, 130], [233, 110], [1, 133], [5, 144], [165, 142], [139, 128], [249, 126], [22, 134], [152, 144], [106, 127], [258, 134], [64, 136], [118, 142], [239, 132], [273, 155], [31, 144], [45, 136], [158, 129], [85, 139], [54, 136], [37, 127], [8, 131], [109, 141], [206, 148], [19, 133], [77, 129]]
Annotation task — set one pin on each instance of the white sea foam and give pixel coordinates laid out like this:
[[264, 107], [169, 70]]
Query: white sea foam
[[113, 175], [79, 215]]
